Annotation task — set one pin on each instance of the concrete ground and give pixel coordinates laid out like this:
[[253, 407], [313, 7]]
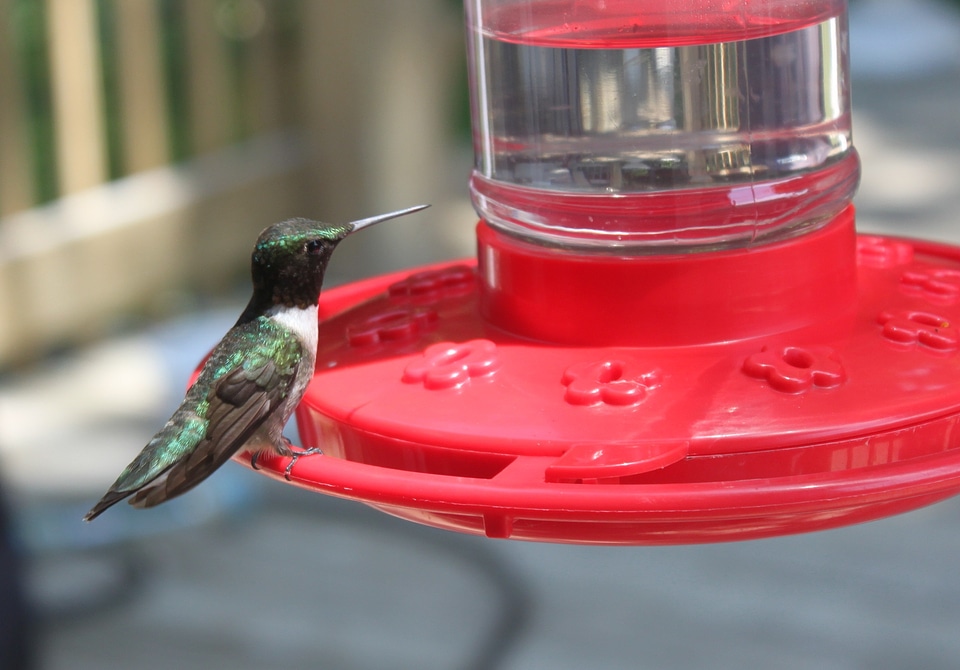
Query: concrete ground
[[246, 573]]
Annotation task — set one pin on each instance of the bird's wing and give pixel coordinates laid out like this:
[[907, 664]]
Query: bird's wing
[[182, 433], [242, 389]]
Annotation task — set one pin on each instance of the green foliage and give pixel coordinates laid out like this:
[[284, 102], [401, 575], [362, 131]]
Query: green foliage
[[174, 58], [27, 25]]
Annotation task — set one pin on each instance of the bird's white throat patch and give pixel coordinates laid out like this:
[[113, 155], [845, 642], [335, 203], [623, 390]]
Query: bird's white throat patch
[[303, 322]]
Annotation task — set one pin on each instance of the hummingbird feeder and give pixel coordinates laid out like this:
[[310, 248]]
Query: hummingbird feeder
[[671, 333]]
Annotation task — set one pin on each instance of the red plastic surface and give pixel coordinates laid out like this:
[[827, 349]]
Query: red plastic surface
[[839, 407], [671, 300]]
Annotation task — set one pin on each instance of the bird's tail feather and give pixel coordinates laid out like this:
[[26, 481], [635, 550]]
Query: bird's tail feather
[[106, 502]]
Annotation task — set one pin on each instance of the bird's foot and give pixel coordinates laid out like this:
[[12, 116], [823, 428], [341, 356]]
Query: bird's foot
[[285, 448], [296, 456]]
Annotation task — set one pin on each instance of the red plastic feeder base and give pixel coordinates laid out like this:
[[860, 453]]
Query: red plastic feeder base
[[707, 397]]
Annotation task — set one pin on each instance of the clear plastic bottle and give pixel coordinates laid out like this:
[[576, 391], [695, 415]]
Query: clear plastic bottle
[[652, 126]]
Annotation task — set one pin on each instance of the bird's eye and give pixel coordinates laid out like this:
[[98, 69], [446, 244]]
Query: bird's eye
[[313, 247]]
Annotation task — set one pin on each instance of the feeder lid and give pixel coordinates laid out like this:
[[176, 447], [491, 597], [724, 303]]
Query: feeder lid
[[427, 411]]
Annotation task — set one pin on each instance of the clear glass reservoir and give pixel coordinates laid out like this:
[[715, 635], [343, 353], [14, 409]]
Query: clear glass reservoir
[[657, 126]]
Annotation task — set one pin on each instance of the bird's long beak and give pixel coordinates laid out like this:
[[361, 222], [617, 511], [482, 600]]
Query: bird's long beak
[[363, 223]]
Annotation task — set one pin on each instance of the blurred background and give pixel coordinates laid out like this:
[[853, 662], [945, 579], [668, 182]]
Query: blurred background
[[145, 143]]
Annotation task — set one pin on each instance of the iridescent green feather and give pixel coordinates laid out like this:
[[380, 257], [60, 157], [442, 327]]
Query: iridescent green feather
[[251, 346]]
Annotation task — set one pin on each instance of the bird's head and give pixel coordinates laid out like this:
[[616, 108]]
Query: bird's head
[[290, 257]]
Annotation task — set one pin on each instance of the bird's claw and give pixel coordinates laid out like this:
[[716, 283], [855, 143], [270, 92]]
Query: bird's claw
[[296, 456], [286, 447]]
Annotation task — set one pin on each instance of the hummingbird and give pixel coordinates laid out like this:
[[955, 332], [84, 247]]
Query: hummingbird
[[254, 377]]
